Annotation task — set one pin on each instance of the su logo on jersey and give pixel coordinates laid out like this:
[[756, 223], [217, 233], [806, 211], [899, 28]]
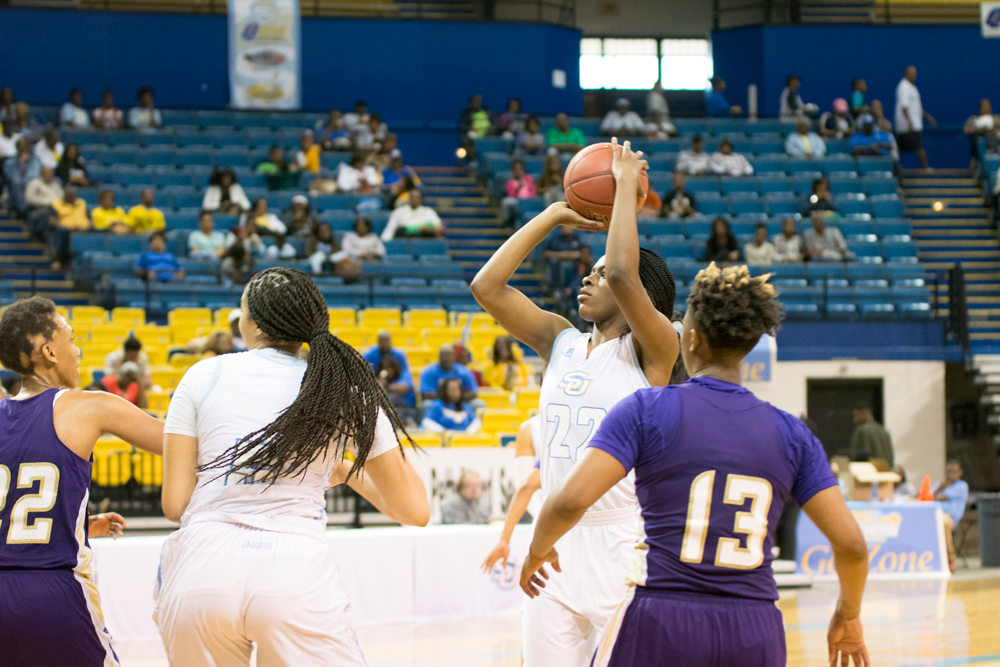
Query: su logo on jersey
[[575, 383]]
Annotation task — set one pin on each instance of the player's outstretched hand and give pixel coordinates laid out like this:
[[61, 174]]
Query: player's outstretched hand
[[533, 567], [106, 525], [501, 550], [845, 638], [627, 164], [564, 215]]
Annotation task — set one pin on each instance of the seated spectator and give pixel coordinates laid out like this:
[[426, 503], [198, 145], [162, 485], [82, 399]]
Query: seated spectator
[[652, 204], [721, 245], [72, 113], [821, 200], [869, 140], [716, 103], [267, 223], [550, 185], [622, 121], [156, 264], [414, 219], [804, 143], [107, 216], [299, 220], [144, 217], [953, 494], [508, 370], [476, 121], [307, 158], [370, 135], [580, 270], [108, 116], [363, 245], [281, 249], [984, 125], [761, 252], [333, 134], [562, 253], [145, 116], [18, 171], [399, 194], [464, 357], [72, 168], [40, 192], [825, 244], [727, 163], [247, 235], [394, 173], [448, 412], [513, 121], [130, 352], [278, 173], [858, 105], [206, 241], [878, 112], [446, 368], [237, 261], [68, 215], [659, 127], [390, 377], [212, 345], [25, 124], [838, 123], [358, 117], [321, 247], [7, 105], [465, 507], [679, 203], [788, 246], [383, 351], [531, 141], [903, 491], [127, 383], [656, 102], [357, 176], [791, 106], [224, 194], [49, 150], [519, 186], [10, 383], [564, 139], [695, 162]]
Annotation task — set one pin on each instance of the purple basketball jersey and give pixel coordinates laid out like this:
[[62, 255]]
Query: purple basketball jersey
[[714, 465]]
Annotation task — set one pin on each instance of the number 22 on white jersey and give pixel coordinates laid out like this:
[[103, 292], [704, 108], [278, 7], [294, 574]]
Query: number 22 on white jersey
[[561, 417]]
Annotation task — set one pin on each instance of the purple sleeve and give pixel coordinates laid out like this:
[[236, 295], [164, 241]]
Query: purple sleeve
[[813, 472], [621, 432]]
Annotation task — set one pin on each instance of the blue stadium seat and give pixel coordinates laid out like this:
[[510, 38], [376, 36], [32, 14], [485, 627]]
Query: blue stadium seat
[[880, 186], [842, 310], [122, 138], [184, 222], [675, 251], [725, 126], [877, 311], [81, 137], [804, 168], [905, 271], [232, 159], [824, 271], [867, 165], [888, 209], [838, 147], [159, 156], [835, 165], [789, 271], [798, 294], [713, 207], [801, 311], [215, 119], [253, 121], [782, 207], [194, 139], [428, 247], [180, 200], [172, 180], [696, 185], [229, 140], [767, 146], [897, 251], [848, 207], [126, 198], [123, 155], [194, 156], [775, 185], [856, 271], [659, 147], [659, 228], [161, 138], [748, 207], [913, 310], [89, 243], [734, 186], [864, 249], [841, 186], [858, 230], [179, 117], [126, 245], [743, 227]]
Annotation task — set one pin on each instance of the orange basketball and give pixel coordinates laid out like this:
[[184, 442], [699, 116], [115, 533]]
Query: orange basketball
[[590, 187]]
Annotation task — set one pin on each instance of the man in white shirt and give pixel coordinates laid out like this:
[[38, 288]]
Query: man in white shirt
[[803, 143], [787, 245], [72, 113], [414, 219], [622, 121], [696, 161], [49, 150], [761, 251], [910, 116], [8, 142], [728, 163], [44, 190]]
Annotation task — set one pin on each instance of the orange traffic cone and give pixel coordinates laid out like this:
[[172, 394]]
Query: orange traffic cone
[[925, 489]]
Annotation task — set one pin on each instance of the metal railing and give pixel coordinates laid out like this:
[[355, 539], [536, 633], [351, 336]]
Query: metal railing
[[739, 13], [958, 309]]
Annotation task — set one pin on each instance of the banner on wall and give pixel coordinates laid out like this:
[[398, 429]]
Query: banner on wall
[[989, 18], [758, 366], [265, 54]]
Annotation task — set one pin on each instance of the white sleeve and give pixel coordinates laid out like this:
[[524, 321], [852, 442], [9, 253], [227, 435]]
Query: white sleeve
[[183, 410], [385, 436]]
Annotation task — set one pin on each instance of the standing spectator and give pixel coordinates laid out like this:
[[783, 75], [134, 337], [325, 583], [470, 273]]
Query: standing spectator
[[531, 141], [838, 123], [361, 244], [659, 127], [727, 163], [562, 253], [564, 139], [464, 507], [984, 125], [265, 222], [550, 185], [108, 217], [156, 264], [508, 370], [333, 134], [721, 245], [791, 106], [513, 121], [879, 114], [49, 150], [414, 219], [299, 220], [358, 117], [144, 217], [72, 168], [394, 173], [622, 121], [447, 368], [206, 241], [716, 103], [357, 176], [130, 352], [108, 116], [803, 143], [224, 194], [72, 114], [127, 383], [145, 116], [695, 162], [761, 252], [788, 246], [826, 244], [679, 203], [870, 440], [42, 191], [519, 186], [307, 158], [278, 173], [869, 140], [910, 117], [383, 350], [858, 105], [821, 200], [448, 412], [281, 249], [953, 494], [657, 103]]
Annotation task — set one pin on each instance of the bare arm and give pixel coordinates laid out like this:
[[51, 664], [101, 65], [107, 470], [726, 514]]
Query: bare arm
[[518, 506], [654, 336], [394, 488], [180, 465], [83, 417]]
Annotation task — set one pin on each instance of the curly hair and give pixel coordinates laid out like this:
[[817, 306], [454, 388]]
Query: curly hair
[[19, 326], [731, 308]]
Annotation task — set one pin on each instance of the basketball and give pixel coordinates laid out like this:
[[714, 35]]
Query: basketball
[[589, 184]]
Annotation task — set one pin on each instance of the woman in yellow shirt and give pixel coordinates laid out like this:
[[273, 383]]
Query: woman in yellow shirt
[[108, 216], [308, 156], [508, 369]]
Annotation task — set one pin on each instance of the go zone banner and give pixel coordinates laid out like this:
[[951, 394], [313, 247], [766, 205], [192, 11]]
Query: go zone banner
[[265, 54], [905, 541]]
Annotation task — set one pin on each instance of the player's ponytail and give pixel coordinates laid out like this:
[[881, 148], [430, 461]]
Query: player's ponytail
[[338, 400]]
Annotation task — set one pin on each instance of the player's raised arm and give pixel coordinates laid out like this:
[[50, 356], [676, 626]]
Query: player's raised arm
[[653, 334]]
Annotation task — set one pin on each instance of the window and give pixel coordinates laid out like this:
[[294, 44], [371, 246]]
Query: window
[[636, 64]]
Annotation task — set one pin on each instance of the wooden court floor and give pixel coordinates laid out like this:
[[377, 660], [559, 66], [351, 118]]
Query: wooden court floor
[[907, 624]]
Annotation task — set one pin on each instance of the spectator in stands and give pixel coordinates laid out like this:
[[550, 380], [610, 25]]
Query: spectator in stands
[[448, 412], [206, 241], [8, 111], [879, 114], [108, 116], [130, 352], [307, 157], [716, 103], [444, 369], [399, 194], [237, 260], [72, 113], [381, 352], [803, 143], [727, 163], [513, 121], [108, 217], [399, 392], [579, 270], [903, 490], [695, 162], [985, 125], [476, 121], [27, 125], [299, 220], [679, 203], [622, 121], [761, 252], [357, 176], [278, 173], [721, 245], [656, 102], [267, 223], [910, 117], [838, 123], [72, 168], [358, 117], [68, 214], [234, 327], [247, 235], [145, 116], [869, 140], [224, 194], [144, 217], [414, 219], [826, 244], [870, 440], [564, 139], [321, 247], [40, 192], [394, 173], [953, 494], [550, 185], [788, 246], [361, 244], [821, 200], [465, 507], [49, 150], [127, 383], [508, 370], [858, 105], [370, 135], [281, 249], [531, 141], [562, 253], [212, 345], [10, 382], [659, 127], [156, 264], [464, 357], [519, 186], [791, 107], [332, 134], [8, 143]]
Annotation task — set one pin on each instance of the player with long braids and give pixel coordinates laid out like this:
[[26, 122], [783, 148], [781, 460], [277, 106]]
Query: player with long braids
[[251, 443], [628, 298]]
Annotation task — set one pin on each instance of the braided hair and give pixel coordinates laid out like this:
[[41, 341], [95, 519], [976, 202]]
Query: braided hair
[[339, 398], [732, 309], [19, 326], [658, 281]]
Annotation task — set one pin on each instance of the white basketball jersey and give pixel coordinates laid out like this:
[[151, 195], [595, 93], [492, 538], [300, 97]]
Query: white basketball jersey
[[578, 391]]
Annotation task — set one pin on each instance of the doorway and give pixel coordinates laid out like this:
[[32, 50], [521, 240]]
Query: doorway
[[831, 404]]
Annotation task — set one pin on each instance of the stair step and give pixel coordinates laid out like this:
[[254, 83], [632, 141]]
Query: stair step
[[953, 242], [961, 254], [947, 201], [932, 223], [924, 181], [924, 233]]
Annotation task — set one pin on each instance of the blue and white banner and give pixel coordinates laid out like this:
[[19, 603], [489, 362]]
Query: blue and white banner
[[989, 14], [265, 54], [905, 541], [758, 366]]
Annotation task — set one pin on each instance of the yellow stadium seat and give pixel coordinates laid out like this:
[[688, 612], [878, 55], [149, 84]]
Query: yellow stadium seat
[[526, 398], [147, 469], [494, 397], [158, 401], [420, 356], [129, 316], [357, 336], [342, 317], [108, 333], [423, 318], [87, 375], [423, 440], [92, 314], [93, 353], [220, 317], [62, 310], [437, 336], [181, 334], [166, 377], [479, 319], [157, 355], [380, 318], [184, 361], [455, 439], [152, 335], [481, 339], [406, 336], [190, 316], [497, 420]]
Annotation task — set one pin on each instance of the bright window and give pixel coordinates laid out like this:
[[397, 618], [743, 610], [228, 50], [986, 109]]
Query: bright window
[[685, 64], [636, 64]]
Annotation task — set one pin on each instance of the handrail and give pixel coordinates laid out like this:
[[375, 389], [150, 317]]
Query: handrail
[[958, 309]]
